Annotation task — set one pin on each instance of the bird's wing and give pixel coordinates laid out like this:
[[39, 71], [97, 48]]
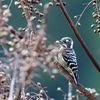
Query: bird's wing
[[70, 57]]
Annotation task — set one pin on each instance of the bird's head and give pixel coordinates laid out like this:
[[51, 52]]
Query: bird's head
[[65, 42]]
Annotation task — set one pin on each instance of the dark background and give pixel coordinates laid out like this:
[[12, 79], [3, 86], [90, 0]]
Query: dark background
[[57, 27]]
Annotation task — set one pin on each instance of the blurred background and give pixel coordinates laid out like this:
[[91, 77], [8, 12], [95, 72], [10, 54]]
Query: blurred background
[[57, 27]]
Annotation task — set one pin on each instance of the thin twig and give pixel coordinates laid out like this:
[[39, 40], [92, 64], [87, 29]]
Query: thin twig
[[70, 88], [70, 79], [18, 94], [14, 78], [78, 36], [83, 12], [10, 4], [39, 88], [97, 7]]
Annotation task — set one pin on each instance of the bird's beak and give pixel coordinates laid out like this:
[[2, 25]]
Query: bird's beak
[[58, 42]]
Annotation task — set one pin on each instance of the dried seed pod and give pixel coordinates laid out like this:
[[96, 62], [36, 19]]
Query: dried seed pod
[[30, 12], [96, 94], [5, 6], [38, 26], [27, 94], [10, 43], [73, 97], [75, 17], [33, 18], [15, 40], [98, 16], [24, 52], [40, 4], [98, 26], [98, 22], [37, 12], [78, 24], [50, 3], [92, 91], [52, 77], [26, 7], [20, 7], [1, 76], [94, 1], [95, 31], [41, 91], [45, 71], [64, 3], [35, 9], [29, 1], [41, 14], [35, 1], [98, 30], [20, 29], [23, 14], [95, 15], [94, 4], [34, 54], [59, 89], [54, 71], [38, 83], [11, 49], [92, 25], [57, 4], [39, 21], [22, 41]]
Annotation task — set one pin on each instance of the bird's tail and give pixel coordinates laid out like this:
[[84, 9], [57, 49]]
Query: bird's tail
[[76, 77]]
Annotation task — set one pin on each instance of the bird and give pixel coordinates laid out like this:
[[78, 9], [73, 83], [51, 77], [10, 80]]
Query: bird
[[67, 57]]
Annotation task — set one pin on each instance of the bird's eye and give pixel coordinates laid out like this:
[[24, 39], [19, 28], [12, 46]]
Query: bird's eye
[[65, 41]]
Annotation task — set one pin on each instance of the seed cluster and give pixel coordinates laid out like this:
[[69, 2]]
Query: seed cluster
[[26, 54], [96, 15], [5, 79]]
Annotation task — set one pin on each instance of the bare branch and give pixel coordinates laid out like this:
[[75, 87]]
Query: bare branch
[[70, 79], [14, 31], [10, 4]]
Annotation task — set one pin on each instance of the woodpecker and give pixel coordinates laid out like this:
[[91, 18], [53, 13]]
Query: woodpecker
[[67, 57]]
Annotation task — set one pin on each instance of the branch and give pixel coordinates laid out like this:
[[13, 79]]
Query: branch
[[78, 36], [70, 79], [14, 31]]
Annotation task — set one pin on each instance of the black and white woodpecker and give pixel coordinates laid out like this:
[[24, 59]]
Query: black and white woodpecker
[[67, 57]]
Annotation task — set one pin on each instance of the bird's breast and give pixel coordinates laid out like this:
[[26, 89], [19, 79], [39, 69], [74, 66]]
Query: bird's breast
[[61, 60], [63, 63]]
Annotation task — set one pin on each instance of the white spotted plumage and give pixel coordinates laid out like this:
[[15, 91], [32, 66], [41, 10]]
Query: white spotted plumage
[[67, 57]]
